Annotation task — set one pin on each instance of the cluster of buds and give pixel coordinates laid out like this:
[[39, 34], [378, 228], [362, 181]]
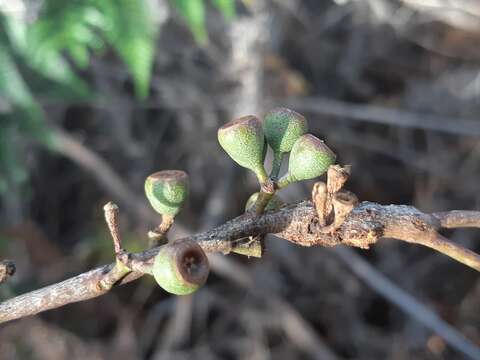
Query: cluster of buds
[[246, 139], [181, 267]]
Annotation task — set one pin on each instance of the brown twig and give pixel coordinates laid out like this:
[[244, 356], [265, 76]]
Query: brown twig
[[111, 218], [297, 223], [441, 244], [120, 270], [458, 219]]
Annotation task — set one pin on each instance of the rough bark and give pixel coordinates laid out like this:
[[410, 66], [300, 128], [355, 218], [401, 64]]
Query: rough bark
[[297, 223]]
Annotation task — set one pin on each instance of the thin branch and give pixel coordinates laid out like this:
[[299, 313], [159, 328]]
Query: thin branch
[[384, 115], [406, 302], [297, 223], [443, 245], [458, 219], [68, 146]]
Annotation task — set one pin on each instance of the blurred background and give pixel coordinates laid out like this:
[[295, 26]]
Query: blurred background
[[97, 94]]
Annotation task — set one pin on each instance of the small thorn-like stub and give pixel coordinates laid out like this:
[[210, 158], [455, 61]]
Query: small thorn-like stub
[[319, 199], [167, 191], [181, 267], [7, 269], [282, 128], [243, 140], [111, 211]]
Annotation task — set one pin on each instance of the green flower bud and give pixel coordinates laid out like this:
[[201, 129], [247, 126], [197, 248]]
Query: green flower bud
[[181, 267], [282, 128], [310, 157], [274, 203], [167, 190], [244, 142]]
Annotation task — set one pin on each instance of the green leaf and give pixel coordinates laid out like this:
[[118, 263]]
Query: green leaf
[[16, 30], [48, 37], [12, 86], [80, 55], [194, 13], [14, 89], [131, 30], [226, 7]]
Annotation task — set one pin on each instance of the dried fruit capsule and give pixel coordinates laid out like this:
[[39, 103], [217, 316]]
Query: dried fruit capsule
[[244, 142], [181, 267], [310, 157], [167, 190], [275, 202]]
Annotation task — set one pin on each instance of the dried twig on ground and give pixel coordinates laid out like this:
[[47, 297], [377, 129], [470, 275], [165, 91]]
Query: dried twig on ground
[[387, 116], [406, 302]]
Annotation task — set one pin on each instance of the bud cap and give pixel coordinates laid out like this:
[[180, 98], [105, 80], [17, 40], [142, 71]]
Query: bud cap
[[167, 190]]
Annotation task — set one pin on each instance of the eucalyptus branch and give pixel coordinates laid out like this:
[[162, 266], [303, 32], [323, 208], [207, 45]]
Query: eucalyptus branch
[[333, 217], [297, 223]]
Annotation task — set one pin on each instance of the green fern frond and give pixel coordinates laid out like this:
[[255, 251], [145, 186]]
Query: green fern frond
[[131, 31], [194, 13], [226, 7]]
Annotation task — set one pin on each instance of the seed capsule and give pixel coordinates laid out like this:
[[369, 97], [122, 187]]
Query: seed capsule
[[181, 267], [167, 190]]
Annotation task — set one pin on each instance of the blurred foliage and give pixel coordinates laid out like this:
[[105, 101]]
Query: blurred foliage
[[46, 57], [194, 13]]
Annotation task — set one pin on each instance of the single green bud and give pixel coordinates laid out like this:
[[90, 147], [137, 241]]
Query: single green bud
[[244, 142], [310, 157], [274, 203], [181, 267], [282, 128], [167, 190]]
